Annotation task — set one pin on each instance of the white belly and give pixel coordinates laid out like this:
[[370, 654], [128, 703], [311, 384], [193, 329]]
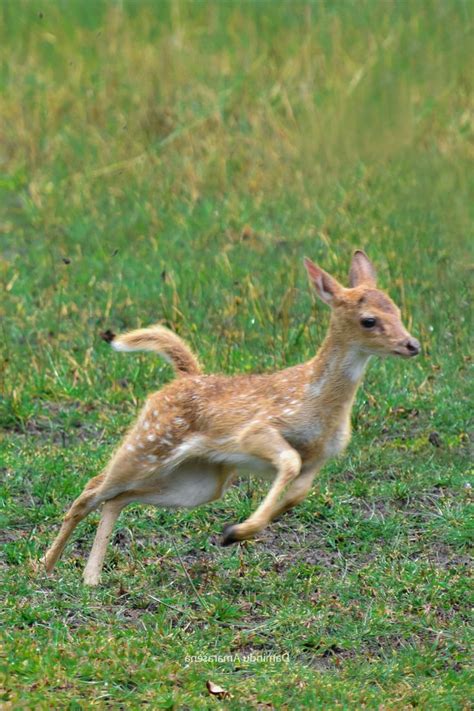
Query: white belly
[[189, 485], [245, 463]]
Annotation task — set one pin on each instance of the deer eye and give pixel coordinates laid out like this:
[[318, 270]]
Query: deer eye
[[368, 322]]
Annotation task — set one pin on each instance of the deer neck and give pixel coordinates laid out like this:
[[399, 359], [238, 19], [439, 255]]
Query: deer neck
[[336, 373]]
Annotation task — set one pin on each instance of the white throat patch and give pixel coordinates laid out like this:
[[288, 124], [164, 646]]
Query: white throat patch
[[354, 364]]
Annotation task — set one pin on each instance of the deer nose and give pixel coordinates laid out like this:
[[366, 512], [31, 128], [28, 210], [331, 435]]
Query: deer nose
[[412, 346]]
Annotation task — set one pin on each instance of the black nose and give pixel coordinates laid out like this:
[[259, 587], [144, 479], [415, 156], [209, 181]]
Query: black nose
[[413, 346]]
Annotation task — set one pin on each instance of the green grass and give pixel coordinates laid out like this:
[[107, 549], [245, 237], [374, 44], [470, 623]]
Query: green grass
[[175, 162]]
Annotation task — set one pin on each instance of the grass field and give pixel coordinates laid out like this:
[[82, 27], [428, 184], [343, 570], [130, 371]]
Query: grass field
[[174, 162]]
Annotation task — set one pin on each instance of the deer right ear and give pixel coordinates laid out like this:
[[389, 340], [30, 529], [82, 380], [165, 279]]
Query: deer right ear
[[362, 270], [327, 288]]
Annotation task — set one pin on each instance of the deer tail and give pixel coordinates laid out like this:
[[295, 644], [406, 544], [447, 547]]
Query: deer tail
[[160, 340]]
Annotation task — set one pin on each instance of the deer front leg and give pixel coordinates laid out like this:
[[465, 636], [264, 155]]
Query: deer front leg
[[267, 444], [296, 492]]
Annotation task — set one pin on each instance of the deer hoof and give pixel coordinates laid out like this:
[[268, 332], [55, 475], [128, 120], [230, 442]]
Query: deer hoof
[[229, 535]]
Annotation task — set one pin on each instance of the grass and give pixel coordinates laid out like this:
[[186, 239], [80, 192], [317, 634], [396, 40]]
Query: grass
[[174, 162]]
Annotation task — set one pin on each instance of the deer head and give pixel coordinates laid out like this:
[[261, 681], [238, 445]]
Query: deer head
[[363, 315]]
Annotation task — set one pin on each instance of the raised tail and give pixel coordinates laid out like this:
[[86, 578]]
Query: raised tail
[[160, 340]]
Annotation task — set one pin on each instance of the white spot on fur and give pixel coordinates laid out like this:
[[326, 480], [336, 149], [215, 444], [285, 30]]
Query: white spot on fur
[[130, 447], [151, 437], [146, 425], [152, 458]]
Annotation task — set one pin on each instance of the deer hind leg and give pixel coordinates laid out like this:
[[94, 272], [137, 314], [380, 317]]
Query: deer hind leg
[[112, 482], [89, 500], [269, 445], [190, 486], [110, 513]]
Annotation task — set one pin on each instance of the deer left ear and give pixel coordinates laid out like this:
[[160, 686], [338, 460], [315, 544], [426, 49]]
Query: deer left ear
[[327, 288], [362, 270]]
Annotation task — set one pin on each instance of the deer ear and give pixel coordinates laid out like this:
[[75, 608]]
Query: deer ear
[[362, 270], [327, 288]]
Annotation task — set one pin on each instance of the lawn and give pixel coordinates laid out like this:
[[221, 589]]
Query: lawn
[[174, 162]]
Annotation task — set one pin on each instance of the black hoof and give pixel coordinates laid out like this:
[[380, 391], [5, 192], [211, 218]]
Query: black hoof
[[229, 535]]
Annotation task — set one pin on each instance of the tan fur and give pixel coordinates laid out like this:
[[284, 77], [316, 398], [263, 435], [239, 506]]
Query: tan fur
[[196, 432]]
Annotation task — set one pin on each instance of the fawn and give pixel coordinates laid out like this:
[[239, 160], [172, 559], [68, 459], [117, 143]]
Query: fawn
[[193, 435]]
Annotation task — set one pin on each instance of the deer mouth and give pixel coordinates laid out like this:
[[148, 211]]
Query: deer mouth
[[405, 354]]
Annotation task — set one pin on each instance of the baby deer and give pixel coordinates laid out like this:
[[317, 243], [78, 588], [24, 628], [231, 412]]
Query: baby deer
[[195, 433]]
